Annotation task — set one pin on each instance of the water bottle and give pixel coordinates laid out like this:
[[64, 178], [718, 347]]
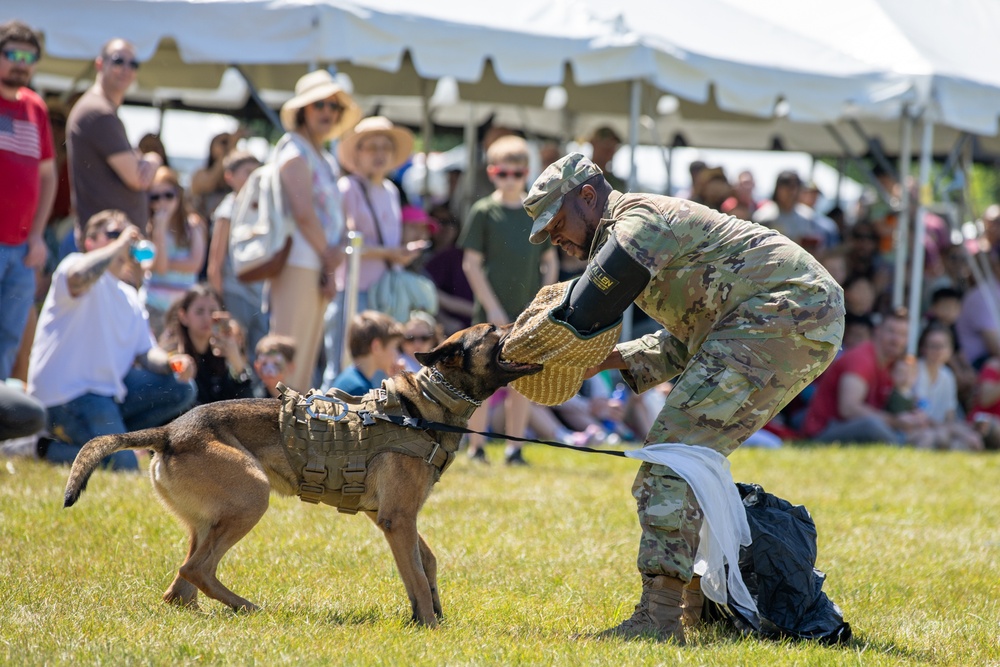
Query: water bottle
[[143, 251]]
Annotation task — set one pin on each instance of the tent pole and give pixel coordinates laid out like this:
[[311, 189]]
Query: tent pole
[[846, 150], [635, 100], [873, 146], [917, 268], [952, 163], [902, 242], [255, 96], [472, 163], [427, 130], [355, 245]]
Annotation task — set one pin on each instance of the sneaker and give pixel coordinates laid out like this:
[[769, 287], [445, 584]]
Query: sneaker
[[515, 458], [479, 455]]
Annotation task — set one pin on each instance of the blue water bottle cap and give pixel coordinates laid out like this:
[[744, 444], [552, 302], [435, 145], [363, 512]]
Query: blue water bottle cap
[[143, 251]]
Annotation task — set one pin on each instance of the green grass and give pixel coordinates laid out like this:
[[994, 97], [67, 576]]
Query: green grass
[[910, 542]]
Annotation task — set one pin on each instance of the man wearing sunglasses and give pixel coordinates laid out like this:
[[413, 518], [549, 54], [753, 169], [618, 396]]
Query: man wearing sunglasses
[[105, 171], [94, 364], [27, 184]]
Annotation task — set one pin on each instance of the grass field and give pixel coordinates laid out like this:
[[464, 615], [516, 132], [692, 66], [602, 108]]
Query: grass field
[[910, 543]]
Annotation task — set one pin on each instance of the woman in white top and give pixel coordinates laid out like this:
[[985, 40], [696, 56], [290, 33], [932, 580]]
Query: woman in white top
[[320, 111], [373, 150], [937, 393]]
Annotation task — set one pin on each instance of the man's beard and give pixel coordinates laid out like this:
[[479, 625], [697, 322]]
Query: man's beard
[[16, 79]]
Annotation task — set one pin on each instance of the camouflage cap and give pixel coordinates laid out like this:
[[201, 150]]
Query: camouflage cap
[[547, 192]]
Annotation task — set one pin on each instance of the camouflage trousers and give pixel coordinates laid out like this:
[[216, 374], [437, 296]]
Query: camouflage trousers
[[728, 390]]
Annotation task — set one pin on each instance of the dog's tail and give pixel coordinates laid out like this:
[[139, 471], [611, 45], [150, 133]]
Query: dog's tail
[[96, 450]]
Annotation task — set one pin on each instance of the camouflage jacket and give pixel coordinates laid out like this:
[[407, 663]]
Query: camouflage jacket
[[714, 276]]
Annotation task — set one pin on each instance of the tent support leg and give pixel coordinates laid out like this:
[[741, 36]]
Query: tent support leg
[[874, 148], [427, 129], [917, 268], [255, 96], [846, 150], [635, 100], [902, 241]]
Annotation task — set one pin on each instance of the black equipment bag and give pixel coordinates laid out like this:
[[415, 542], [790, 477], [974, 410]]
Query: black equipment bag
[[779, 571]]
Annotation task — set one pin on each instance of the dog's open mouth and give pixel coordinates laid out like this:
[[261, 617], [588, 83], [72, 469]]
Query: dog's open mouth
[[523, 368], [517, 366]]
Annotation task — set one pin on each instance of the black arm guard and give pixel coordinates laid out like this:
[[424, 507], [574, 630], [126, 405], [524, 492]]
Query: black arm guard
[[611, 282]]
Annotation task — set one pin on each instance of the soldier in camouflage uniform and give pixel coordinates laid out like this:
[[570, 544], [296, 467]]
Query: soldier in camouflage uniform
[[749, 319]]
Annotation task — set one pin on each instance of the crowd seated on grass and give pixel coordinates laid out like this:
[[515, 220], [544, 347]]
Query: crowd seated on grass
[[948, 397]]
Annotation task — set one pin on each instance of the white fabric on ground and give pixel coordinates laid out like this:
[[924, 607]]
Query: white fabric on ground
[[725, 527]]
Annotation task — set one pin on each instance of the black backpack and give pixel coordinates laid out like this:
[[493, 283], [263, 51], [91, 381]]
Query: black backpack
[[779, 571]]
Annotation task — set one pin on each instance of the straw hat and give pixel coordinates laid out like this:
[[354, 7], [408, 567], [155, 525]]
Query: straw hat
[[316, 86], [402, 141], [539, 337]]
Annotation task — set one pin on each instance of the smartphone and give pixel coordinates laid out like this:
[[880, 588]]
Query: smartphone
[[220, 323]]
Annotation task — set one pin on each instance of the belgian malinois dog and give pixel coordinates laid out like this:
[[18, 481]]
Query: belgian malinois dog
[[215, 466]]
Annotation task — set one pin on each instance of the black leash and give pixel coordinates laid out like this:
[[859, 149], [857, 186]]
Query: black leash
[[424, 425]]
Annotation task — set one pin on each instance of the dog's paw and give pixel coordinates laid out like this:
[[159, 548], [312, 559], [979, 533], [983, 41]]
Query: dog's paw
[[245, 607]]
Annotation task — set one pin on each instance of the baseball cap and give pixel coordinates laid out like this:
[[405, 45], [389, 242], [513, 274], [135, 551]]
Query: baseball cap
[[547, 192], [538, 337]]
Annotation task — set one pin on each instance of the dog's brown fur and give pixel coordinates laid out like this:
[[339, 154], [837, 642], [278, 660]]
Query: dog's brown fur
[[215, 466]]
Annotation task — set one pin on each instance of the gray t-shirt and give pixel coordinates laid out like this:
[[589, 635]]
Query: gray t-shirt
[[93, 133]]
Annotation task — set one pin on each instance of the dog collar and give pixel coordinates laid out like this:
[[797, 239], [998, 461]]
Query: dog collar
[[442, 392]]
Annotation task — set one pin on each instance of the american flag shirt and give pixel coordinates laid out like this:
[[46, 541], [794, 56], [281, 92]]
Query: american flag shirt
[[25, 141]]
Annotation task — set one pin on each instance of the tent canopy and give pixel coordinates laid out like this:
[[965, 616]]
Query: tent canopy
[[762, 74]]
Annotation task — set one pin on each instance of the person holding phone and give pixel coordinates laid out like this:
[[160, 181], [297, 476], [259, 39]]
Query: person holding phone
[[198, 327]]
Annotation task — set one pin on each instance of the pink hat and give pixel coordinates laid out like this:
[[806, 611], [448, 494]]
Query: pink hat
[[417, 216]]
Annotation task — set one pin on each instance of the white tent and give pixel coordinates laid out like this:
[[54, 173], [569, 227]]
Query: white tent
[[510, 53], [941, 53], [745, 75]]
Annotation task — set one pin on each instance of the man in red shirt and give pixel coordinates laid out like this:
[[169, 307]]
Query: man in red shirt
[[27, 184], [850, 401]]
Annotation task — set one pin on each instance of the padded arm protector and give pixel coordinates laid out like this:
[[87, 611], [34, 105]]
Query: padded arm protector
[[611, 282]]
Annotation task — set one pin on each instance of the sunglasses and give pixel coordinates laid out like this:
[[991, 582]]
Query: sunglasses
[[22, 56], [119, 61], [157, 196], [326, 104], [271, 367], [512, 173], [420, 338]]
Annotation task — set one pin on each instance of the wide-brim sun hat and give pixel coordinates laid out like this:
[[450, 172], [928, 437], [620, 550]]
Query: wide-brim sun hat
[[539, 337], [316, 86], [402, 141]]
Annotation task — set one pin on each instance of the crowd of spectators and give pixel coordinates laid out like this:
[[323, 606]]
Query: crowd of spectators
[[94, 341]]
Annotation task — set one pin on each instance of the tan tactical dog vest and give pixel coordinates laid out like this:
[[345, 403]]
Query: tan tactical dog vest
[[331, 439]]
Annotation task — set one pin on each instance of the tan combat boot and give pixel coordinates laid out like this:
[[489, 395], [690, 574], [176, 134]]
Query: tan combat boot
[[658, 614], [694, 602]]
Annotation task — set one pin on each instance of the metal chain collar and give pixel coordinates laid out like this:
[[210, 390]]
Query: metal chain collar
[[440, 379]]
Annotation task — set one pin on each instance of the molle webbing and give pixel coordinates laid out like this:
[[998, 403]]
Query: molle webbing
[[332, 438]]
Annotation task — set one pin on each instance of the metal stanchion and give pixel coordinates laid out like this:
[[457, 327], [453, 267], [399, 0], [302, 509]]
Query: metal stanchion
[[355, 242]]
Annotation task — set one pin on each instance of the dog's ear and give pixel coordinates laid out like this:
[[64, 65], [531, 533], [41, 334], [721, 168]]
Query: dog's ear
[[447, 354]]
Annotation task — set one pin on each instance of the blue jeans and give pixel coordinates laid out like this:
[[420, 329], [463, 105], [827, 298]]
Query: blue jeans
[[17, 296], [152, 400]]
